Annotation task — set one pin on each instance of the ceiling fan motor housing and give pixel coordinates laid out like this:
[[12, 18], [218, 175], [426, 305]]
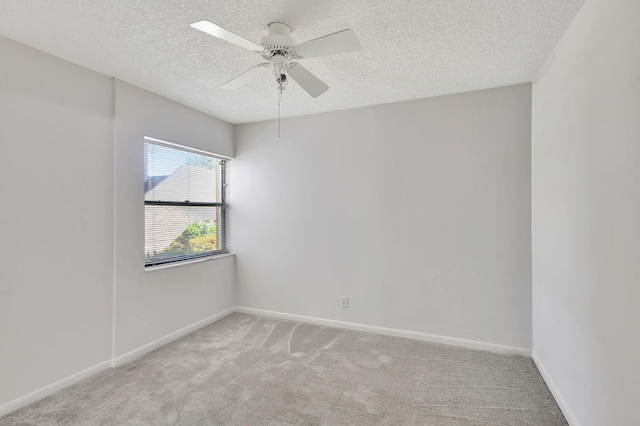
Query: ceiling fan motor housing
[[278, 50], [277, 41]]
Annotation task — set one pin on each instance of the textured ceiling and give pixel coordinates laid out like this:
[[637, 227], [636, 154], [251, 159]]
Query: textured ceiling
[[410, 49]]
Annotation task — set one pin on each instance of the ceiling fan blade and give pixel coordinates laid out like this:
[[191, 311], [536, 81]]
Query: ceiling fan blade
[[341, 42], [244, 78], [309, 82], [217, 31]]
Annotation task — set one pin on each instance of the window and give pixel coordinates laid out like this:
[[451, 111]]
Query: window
[[184, 203]]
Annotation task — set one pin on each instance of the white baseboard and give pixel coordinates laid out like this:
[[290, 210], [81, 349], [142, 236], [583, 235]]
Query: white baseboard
[[143, 350], [425, 337], [52, 388], [562, 403]]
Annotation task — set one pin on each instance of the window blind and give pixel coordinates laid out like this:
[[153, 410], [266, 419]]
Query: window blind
[[184, 197]]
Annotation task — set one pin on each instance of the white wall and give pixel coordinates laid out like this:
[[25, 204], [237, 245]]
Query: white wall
[[56, 185], [586, 216], [150, 305], [60, 127], [418, 211]]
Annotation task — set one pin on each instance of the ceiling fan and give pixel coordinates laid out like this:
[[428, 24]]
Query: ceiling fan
[[282, 54]]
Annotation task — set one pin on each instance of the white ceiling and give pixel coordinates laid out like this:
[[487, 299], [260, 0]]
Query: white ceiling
[[410, 48]]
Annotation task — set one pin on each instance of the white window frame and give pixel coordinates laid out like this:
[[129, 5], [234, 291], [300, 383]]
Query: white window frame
[[222, 240]]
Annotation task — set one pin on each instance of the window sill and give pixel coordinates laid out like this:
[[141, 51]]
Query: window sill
[[187, 262]]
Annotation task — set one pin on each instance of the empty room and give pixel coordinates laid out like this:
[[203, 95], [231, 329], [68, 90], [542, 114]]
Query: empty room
[[298, 212]]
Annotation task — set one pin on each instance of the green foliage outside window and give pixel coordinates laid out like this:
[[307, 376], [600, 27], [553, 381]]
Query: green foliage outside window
[[200, 236]]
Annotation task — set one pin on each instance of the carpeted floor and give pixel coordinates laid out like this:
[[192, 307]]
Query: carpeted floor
[[248, 370]]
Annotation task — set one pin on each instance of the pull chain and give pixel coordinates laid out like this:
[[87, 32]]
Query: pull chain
[[279, 101]]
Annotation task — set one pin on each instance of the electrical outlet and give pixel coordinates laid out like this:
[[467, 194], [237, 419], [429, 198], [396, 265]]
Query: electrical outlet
[[345, 302]]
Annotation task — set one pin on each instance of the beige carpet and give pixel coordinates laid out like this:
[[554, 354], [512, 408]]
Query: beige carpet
[[248, 370]]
